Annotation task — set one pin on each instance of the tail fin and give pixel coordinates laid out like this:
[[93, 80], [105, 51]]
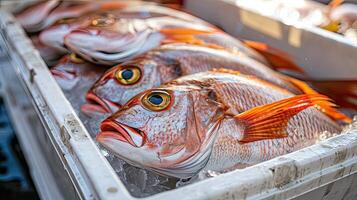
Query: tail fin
[[329, 110], [277, 58]]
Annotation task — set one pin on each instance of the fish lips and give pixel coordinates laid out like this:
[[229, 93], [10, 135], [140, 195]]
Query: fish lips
[[98, 105], [118, 131]]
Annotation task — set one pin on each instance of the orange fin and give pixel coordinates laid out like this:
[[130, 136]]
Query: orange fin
[[330, 111], [335, 3], [277, 58], [187, 35], [112, 5], [270, 121], [344, 92]]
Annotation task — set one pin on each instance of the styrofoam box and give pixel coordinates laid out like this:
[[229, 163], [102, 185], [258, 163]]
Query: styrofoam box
[[323, 171], [322, 54]]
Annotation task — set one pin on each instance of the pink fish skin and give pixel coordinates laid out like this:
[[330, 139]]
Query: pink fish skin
[[122, 38], [54, 35], [46, 13], [72, 72], [215, 121], [169, 62]]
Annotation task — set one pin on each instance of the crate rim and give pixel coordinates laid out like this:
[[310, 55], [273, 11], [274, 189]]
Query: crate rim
[[270, 177]]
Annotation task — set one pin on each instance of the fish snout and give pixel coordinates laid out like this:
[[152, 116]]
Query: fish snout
[[97, 104], [124, 133]]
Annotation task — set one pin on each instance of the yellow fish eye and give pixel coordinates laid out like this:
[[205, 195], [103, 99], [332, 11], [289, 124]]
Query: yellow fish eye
[[103, 20], [128, 75], [74, 58], [156, 100]]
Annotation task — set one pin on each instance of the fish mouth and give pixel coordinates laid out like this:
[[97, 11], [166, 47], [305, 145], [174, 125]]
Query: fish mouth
[[121, 132], [68, 75], [99, 105]]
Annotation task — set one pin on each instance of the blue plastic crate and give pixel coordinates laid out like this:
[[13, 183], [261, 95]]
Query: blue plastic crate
[[10, 167]]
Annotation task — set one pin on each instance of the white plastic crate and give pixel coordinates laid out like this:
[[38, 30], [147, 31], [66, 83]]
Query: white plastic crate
[[322, 54], [312, 172]]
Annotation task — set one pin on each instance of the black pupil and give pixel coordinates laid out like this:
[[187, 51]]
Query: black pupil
[[156, 99], [127, 74]]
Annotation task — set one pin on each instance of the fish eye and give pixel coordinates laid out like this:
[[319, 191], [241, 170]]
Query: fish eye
[[128, 75], [156, 100], [103, 20], [74, 58]]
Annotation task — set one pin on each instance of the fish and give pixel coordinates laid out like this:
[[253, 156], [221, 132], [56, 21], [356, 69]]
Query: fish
[[121, 38], [76, 75], [67, 19], [46, 13], [168, 62], [214, 121], [54, 35]]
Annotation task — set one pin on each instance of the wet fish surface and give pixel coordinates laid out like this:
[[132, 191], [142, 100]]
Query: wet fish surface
[[213, 120]]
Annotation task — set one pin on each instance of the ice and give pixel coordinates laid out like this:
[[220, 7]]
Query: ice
[[139, 182]]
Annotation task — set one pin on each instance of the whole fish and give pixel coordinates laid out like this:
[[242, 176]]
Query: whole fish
[[46, 13], [161, 65], [121, 38], [103, 19], [166, 63], [213, 120]]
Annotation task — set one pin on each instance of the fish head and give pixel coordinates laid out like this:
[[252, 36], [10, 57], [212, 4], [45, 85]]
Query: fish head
[[67, 71], [110, 40], [168, 129], [119, 84]]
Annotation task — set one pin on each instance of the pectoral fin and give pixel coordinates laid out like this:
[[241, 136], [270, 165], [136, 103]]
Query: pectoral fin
[[277, 58], [270, 121], [188, 36]]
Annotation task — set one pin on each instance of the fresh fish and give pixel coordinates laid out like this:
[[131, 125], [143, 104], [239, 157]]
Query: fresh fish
[[161, 65], [120, 38], [213, 120], [46, 13], [54, 36], [75, 75]]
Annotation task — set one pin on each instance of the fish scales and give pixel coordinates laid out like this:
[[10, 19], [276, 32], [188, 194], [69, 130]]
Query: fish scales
[[242, 94], [214, 121]]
